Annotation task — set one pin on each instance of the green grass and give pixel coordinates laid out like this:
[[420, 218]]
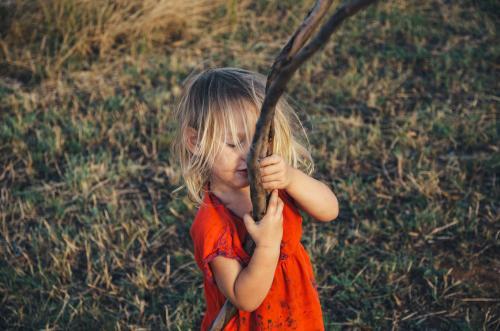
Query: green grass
[[401, 107]]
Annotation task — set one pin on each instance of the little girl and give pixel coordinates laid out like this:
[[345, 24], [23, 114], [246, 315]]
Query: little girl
[[274, 289]]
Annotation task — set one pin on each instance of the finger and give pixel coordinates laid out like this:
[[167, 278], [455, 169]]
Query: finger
[[276, 184], [273, 202], [249, 222], [270, 169], [248, 218], [271, 178], [272, 159], [279, 208]]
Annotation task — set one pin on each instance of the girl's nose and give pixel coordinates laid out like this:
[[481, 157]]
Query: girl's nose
[[244, 151]]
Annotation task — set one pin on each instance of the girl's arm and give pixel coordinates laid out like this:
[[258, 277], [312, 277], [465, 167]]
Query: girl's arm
[[247, 287], [313, 196]]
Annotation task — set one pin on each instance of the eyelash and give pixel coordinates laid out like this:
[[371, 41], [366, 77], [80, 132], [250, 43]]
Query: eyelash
[[232, 145]]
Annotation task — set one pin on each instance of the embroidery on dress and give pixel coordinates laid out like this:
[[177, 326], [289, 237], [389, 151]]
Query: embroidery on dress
[[222, 247]]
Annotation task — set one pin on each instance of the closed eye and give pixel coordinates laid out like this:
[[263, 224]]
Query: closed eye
[[234, 145]]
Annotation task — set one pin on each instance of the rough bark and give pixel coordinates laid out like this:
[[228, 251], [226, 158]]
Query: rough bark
[[292, 55]]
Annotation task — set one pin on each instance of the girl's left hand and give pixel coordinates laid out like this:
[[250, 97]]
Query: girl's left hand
[[275, 172]]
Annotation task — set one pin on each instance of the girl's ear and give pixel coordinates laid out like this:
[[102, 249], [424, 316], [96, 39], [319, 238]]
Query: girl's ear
[[191, 139]]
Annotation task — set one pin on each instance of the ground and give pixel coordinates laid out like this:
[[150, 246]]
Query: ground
[[401, 108]]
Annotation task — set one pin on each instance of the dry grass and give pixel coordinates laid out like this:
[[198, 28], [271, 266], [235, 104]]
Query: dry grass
[[45, 37], [402, 110]]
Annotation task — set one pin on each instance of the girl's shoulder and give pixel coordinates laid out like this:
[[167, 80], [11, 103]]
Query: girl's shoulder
[[208, 220], [213, 235]]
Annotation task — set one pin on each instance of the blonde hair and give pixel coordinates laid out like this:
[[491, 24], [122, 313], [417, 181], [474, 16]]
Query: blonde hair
[[210, 103]]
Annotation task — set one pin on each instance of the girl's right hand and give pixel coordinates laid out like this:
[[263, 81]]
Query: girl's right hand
[[269, 231]]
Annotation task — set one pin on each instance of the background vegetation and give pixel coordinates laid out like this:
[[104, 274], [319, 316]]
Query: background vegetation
[[402, 111]]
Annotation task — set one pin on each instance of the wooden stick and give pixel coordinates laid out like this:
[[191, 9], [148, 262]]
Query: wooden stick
[[293, 54]]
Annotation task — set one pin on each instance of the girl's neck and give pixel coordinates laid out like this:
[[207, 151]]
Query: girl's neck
[[237, 200]]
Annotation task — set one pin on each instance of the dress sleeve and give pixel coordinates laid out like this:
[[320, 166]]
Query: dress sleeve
[[210, 243]]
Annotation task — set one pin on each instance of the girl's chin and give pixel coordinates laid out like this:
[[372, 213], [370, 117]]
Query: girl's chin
[[242, 174]]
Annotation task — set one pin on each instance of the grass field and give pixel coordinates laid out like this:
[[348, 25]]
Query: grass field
[[401, 107]]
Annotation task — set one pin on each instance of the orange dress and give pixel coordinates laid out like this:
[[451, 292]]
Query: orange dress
[[292, 302]]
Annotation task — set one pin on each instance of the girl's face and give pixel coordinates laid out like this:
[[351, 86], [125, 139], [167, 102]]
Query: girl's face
[[229, 172]]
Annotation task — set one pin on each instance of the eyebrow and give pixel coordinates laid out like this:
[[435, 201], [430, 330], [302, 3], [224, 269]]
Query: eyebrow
[[241, 136]]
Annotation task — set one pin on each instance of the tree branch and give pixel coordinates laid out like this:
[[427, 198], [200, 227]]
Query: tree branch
[[293, 54]]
